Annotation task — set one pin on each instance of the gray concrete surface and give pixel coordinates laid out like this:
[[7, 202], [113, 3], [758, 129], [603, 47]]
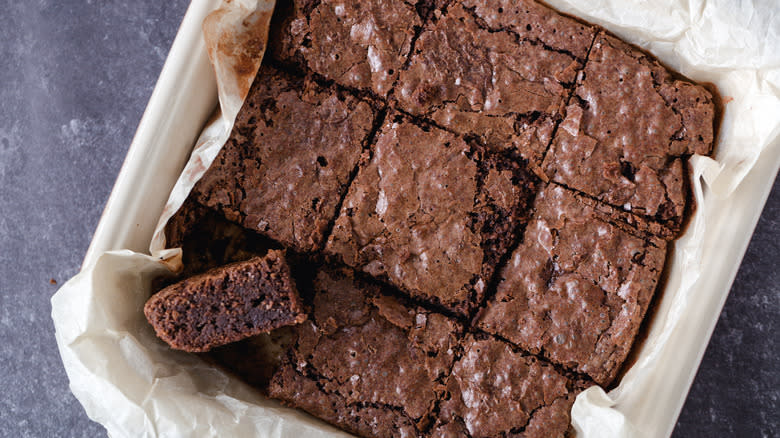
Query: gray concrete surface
[[75, 76]]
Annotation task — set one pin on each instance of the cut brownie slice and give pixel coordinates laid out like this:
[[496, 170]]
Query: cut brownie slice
[[288, 161], [503, 85], [226, 304], [627, 131], [361, 45], [431, 214], [576, 289], [367, 362], [495, 391]]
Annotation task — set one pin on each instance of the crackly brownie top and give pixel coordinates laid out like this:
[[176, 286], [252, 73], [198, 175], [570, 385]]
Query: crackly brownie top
[[496, 391], [625, 130], [430, 213], [533, 21], [372, 349], [576, 289], [497, 85], [288, 160], [358, 44]]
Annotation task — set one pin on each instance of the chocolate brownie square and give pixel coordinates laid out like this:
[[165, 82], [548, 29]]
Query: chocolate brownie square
[[367, 362], [360, 45], [226, 304], [475, 72], [289, 158], [627, 132], [431, 214], [576, 289], [494, 390]]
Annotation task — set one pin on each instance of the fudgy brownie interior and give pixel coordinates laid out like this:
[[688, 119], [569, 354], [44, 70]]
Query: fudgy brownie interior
[[226, 304], [477, 197]]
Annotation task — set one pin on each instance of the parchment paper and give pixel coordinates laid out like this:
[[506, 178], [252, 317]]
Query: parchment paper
[[135, 386]]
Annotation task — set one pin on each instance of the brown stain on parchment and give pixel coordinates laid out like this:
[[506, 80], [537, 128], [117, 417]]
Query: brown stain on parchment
[[241, 46]]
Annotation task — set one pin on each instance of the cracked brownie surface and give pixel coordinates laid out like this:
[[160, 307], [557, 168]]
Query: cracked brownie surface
[[431, 214], [627, 132], [502, 85], [496, 391], [358, 44], [288, 160], [477, 197], [576, 289], [366, 362]]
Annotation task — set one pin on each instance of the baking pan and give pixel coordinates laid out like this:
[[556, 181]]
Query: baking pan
[[186, 95]]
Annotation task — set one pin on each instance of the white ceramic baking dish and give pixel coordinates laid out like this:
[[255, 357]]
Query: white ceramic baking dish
[[185, 96]]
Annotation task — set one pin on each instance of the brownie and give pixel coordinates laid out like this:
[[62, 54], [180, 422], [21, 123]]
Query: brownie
[[289, 158], [628, 131], [226, 304], [431, 214], [495, 391], [208, 240], [477, 198], [367, 362], [361, 45], [576, 289], [487, 70]]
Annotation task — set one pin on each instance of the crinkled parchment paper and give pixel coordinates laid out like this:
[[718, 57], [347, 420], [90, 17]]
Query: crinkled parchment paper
[[136, 386]]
